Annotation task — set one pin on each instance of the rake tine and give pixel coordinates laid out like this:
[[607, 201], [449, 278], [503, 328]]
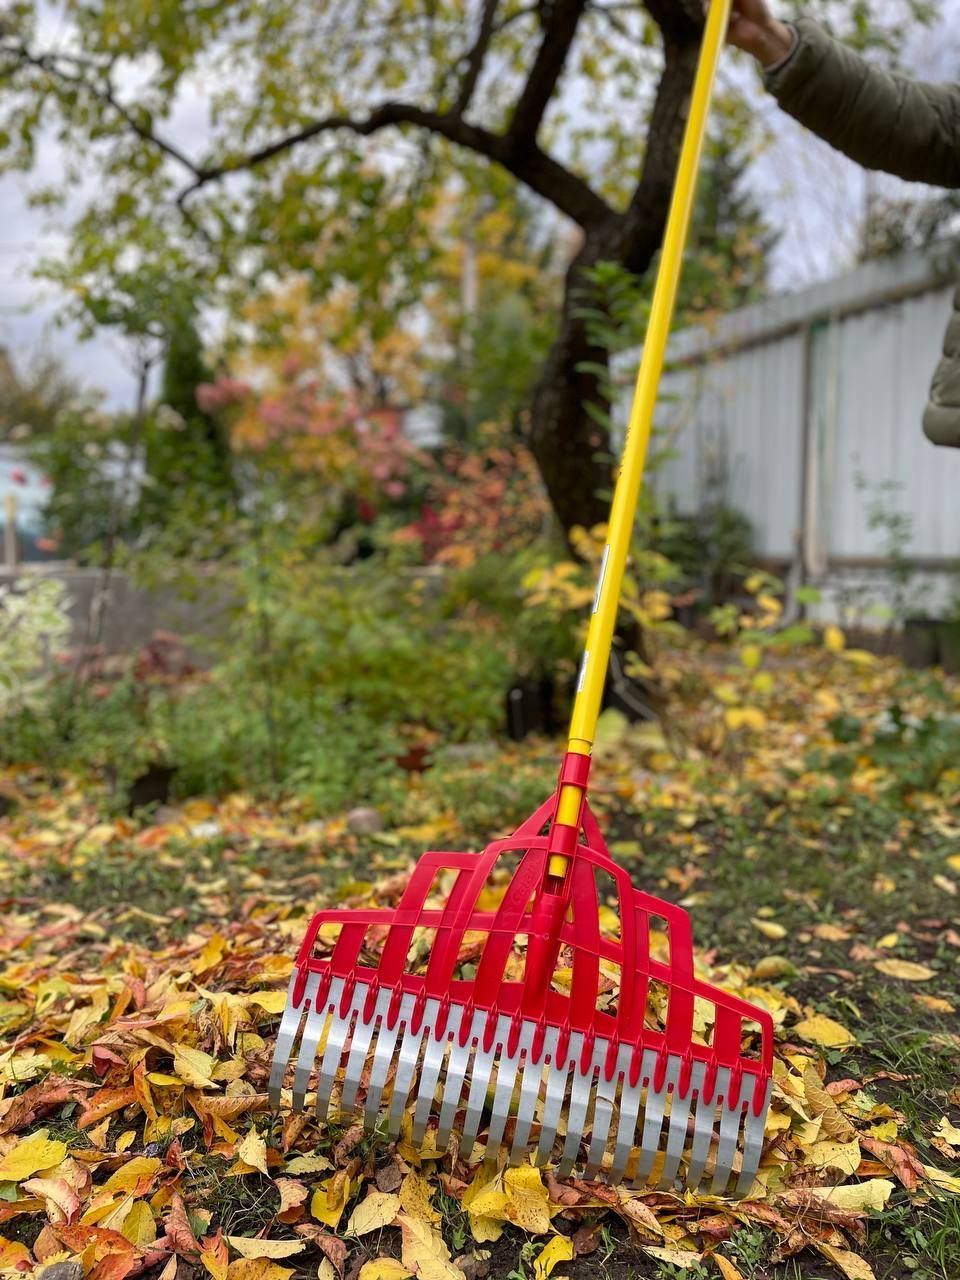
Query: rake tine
[[631, 1097], [606, 1093], [503, 1094], [287, 1035], [729, 1132], [703, 1129], [312, 1031], [382, 1062], [427, 1086], [752, 1146], [360, 1047], [552, 1106], [407, 1061], [457, 1064], [653, 1125], [677, 1134], [340, 1029], [530, 1083], [579, 1103], [481, 1074]]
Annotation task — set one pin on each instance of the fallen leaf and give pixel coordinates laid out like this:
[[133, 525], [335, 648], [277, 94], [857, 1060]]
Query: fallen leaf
[[844, 1156], [256, 1269], [31, 1155], [529, 1201], [853, 1266], [139, 1226], [415, 1196], [559, 1249], [384, 1269], [330, 1200], [194, 1067], [904, 969], [769, 928], [725, 1267], [376, 1211], [60, 1199], [253, 1151], [252, 1247], [872, 1194], [673, 1257], [424, 1252], [821, 1030]]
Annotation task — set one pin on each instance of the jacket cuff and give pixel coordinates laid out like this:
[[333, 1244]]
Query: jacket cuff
[[782, 62], [802, 60]]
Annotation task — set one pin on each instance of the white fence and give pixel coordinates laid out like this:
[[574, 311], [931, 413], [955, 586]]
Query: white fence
[[800, 410]]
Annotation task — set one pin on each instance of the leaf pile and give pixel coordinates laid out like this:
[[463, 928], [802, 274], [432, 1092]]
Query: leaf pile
[[134, 1128]]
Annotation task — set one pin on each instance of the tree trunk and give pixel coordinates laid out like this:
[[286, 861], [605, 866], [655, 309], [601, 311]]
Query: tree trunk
[[571, 447]]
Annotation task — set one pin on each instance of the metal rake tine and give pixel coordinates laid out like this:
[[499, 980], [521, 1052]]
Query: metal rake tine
[[309, 1044], [336, 1039], [677, 1132], [652, 1128], [481, 1073], [507, 1070], [407, 1060], [631, 1096], [530, 1082], [752, 1146], [457, 1062], [380, 1069], [557, 1077], [703, 1126], [427, 1086], [359, 1048], [603, 1106], [287, 1035], [580, 1092], [727, 1149]]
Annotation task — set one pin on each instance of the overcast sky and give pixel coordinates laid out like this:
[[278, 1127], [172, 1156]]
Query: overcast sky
[[814, 196]]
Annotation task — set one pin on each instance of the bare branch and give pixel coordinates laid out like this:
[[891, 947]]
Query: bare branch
[[561, 18], [475, 58], [544, 175]]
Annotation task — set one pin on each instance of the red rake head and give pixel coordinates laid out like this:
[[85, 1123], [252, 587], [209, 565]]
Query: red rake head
[[572, 1040]]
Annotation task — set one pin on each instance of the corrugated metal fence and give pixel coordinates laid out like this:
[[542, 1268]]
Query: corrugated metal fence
[[799, 410]]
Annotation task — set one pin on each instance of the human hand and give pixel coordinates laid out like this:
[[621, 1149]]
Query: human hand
[[754, 29]]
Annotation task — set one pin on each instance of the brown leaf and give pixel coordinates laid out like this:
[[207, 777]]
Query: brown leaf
[[38, 1100], [899, 1158], [179, 1232], [105, 1103]]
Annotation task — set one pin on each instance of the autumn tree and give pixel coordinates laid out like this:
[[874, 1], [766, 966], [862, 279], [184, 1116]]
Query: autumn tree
[[256, 138]]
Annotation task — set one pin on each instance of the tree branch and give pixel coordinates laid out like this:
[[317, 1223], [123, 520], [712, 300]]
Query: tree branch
[[544, 175], [476, 56], [642, 226], [562, 17]]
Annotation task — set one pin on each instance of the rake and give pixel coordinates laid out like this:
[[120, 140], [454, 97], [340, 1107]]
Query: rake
[[527, 1025]]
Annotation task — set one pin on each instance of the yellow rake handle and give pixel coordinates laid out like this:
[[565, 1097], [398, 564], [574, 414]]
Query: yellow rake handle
[[596, 657]]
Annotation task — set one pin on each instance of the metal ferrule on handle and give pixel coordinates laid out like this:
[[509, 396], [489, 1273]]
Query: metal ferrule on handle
[[596, 656]]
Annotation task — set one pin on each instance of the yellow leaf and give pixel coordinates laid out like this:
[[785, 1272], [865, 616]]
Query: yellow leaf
[[31, 1155], [888, 940], [269, 1001], [423, 1251], [844, 1156], [256, 1269], [378, 1210], [384, 1269], [751, 655], [292, 1193], [673, 1257], [833, 1122], [934, 1003], [745, 718], [942, 1179], [415, 1196], [821, 1030], [194, 1067], [529, 1199], [330, 1200], [139, 1226], [905, 969], [851, 1264], [725, 1267], [873, 1194], [485, 1202], [948, 1132], [326, 1270], [886, 1131], [834, 639], [769, 928], [253, 1151], [953, 861], [559, 1249], [248, 1247], [135, 1176]]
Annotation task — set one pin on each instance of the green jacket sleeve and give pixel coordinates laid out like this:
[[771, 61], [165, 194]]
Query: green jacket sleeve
[[881, 120]]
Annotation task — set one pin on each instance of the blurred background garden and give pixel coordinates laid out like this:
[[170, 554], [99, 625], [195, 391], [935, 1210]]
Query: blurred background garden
[[319, 323]]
